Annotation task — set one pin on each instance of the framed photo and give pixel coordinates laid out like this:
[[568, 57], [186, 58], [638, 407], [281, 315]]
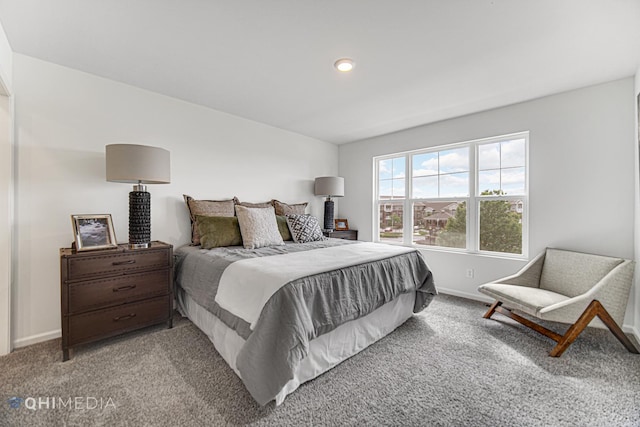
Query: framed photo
[[93, 232], [341, 224]]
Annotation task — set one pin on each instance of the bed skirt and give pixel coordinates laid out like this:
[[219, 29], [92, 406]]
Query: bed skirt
[[325, 351]]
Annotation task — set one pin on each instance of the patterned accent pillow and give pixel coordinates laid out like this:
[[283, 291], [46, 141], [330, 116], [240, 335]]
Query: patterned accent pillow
[[258, 227], [286, 209], [305, 228], [206, 208]]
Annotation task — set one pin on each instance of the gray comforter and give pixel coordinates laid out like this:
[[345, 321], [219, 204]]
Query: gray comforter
[[302, 309]]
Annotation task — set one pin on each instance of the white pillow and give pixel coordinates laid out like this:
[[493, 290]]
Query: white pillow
[[258, 227]]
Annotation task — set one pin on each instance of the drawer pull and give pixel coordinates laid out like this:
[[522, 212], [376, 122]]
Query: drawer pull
[[128, 316], [124, 288], [131, 261]]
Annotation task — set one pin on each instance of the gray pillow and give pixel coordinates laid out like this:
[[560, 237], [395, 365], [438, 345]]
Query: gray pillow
[[217, 231], [258, 227], [305, 228]]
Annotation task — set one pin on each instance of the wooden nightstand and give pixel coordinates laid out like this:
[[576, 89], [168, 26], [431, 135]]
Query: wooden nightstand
[[108, 292], [342, 234]]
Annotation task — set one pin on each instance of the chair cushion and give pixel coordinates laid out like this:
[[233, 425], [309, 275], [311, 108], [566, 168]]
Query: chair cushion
[[529, 300], [573, 273]]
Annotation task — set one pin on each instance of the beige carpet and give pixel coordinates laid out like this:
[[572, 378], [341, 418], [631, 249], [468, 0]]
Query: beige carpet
[[446, 366]]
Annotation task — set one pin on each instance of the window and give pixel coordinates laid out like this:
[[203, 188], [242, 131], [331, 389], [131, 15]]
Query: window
[[391, 187], [469, 197]]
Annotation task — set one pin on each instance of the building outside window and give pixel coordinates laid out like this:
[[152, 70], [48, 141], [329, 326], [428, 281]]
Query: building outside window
[[469, 197]]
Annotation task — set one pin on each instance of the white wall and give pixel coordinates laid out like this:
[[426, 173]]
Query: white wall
[[6, 219], [581, 177], [6, 191], [64, 118], [6, 63], [635, 293]]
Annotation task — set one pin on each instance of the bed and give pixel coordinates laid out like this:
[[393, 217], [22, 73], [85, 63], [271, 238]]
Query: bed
[[282, 315]]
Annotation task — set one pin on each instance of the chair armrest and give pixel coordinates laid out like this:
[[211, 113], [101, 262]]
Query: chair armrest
[[612, 291], [528, 276]]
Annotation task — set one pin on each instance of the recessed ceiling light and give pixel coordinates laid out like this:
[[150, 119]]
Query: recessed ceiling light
[[344, 64]]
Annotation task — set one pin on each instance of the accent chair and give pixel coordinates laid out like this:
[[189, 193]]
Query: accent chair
[[568, 287]]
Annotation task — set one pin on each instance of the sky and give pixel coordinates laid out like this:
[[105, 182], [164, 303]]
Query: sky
[[446, 173]]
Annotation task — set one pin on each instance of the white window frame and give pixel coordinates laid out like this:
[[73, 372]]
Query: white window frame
[[473, 200]]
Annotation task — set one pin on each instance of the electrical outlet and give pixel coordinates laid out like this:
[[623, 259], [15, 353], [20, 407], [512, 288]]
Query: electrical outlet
[[470, 273]]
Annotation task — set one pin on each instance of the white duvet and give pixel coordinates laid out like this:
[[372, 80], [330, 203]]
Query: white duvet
[[246, 285]]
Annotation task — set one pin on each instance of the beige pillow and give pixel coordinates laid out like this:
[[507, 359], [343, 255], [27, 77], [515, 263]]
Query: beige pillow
[[286, 209], [258, 227], [206, 208], [254, 205]]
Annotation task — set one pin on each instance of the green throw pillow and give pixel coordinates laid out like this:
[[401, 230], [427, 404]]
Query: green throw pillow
[[283, 227], [217, 231]]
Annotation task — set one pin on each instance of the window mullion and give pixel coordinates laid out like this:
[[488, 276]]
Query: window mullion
[[375, 234], [472, 223], [407, 225]]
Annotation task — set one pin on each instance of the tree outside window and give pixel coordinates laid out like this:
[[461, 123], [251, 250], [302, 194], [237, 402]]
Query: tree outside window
[[437, 206]]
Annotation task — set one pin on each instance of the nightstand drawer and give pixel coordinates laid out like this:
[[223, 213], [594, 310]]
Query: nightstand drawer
[[342, 234], [117, 263], [101, 293], [113, 321]]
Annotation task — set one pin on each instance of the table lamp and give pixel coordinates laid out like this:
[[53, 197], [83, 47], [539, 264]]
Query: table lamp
[[329, 186], [138, 164]]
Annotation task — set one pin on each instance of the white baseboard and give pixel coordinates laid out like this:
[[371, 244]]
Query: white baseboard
[[34, 339], [633, 331], [629, 329], [462, 294]]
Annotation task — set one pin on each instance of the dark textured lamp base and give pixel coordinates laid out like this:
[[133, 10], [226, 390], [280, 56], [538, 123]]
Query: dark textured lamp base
[[328, 215], [139, 219]]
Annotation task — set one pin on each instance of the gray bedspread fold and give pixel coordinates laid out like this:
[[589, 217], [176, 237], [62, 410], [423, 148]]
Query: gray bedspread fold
[[302, 309]]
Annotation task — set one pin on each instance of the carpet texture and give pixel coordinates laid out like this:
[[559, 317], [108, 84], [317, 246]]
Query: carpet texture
[[446, 366]]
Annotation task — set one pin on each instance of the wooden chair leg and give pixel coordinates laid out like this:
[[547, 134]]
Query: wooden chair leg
[[574, 330], [595, 308], [606, 318], [492, 309], [528, 323]]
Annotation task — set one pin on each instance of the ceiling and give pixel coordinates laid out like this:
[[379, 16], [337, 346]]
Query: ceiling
[[272, 61]]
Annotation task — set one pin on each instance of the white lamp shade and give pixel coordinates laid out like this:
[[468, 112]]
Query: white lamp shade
[[332, 186], [134, 163]]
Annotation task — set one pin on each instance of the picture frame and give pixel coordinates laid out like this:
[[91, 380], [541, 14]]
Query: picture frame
[[93, 232], [341, 224]]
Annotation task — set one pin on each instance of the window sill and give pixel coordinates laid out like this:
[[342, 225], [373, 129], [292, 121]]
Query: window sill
[[493, 255]]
